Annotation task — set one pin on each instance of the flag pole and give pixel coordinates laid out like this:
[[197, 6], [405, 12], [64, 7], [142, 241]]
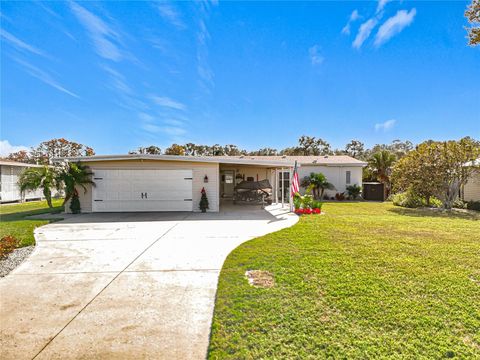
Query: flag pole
[[290, 178]]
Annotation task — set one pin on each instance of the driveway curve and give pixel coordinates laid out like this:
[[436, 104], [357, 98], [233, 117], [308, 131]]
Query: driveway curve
[[124, 285]]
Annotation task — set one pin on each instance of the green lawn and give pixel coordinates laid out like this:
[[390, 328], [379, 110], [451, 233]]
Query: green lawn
[[13, 220], [366, 280]]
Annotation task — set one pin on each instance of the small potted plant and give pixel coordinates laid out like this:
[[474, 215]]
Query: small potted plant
[[203, 201]]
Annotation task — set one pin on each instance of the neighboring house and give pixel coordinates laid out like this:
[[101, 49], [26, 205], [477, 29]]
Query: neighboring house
[[471, 190], [9, 174], [141, 182]]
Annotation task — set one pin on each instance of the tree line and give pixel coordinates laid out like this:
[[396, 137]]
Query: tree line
[[307, 145], [48, 150]]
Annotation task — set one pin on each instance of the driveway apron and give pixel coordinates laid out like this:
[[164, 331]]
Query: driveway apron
[[124, 285]]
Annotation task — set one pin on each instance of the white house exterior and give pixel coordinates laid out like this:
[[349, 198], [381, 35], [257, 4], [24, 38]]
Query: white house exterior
[[9, 174], [174, 183], [471, 190]]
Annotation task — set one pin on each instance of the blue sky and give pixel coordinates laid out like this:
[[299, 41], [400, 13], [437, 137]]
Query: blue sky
[[118, 75]]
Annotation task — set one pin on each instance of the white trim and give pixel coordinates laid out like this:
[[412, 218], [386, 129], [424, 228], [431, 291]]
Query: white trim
[[205, 159]]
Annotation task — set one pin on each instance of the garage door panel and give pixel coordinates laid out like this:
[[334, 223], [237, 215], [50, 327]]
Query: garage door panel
[[163, 190]]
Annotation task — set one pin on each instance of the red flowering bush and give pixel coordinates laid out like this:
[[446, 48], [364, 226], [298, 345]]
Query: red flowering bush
[[299, 211], [317, 211], [307, 211]]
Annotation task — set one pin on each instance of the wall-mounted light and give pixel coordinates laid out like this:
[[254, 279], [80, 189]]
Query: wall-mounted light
[[205, 179]]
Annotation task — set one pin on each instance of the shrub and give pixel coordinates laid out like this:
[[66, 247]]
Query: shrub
[[307, 201], [297, 201], [340, 196], [459, 204], [7, 245], [407, 199], [435, 202], [317, 205], [410, 200], [75, 204], [203, 201], [354, 191], [473, 205]]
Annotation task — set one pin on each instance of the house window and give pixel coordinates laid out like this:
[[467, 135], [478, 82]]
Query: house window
[[348, 176]]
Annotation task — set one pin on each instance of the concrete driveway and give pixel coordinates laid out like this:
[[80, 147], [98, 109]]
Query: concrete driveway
[[124, 286]]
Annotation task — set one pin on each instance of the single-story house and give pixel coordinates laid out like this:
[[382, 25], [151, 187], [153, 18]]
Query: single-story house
[[471, 190], [9, 174], [142, 182]]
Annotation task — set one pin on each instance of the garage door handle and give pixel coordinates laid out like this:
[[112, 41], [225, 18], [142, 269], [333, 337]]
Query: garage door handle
[[187, 199]]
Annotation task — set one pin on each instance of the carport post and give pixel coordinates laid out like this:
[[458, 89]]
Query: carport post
[[283, 180], [276, 185]]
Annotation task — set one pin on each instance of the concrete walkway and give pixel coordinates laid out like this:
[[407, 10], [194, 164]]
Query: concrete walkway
[[124, 286]]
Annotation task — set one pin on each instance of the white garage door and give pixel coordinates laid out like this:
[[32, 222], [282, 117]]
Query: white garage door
[[142, 190]]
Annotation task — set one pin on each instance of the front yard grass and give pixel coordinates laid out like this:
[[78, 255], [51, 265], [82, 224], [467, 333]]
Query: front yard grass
[[366, 280], [13, 219]]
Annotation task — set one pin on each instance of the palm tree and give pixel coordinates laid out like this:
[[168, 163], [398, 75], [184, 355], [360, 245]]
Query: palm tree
[[44, 178], [381, 163], [74, 175], [319, 182]]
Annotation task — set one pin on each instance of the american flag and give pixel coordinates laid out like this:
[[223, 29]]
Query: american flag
[[295, 187]]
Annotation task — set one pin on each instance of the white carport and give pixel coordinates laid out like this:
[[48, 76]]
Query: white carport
[[136, 183]]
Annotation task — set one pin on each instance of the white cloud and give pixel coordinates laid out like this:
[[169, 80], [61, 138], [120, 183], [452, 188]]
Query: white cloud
[[315, 57], [118, 80], [169, 127], [169, 13], [173, 122], [364, 32], [19, 44], [44, 77], [381, 5], [173, 130], [394, 25], [6, 148], [385, 126], [204, 70], [167, 102], [353, 17], [102, 35]]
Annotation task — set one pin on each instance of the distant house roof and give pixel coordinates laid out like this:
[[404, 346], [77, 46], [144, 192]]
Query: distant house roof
[[17, 163], [342, 160]]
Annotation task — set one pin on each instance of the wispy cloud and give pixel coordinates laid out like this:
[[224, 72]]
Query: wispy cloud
[[394, 25], [364, 32], [104, 37], [173, 130], [385, 126], [315, 57], [19, 44], [154, 125], [204, 70], [6, 148], [168, 12], [118, 80], [43, 76], [381, 5], [167, 102], [353, 17]]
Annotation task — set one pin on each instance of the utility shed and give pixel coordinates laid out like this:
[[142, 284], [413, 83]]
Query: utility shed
[[373, 191]]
